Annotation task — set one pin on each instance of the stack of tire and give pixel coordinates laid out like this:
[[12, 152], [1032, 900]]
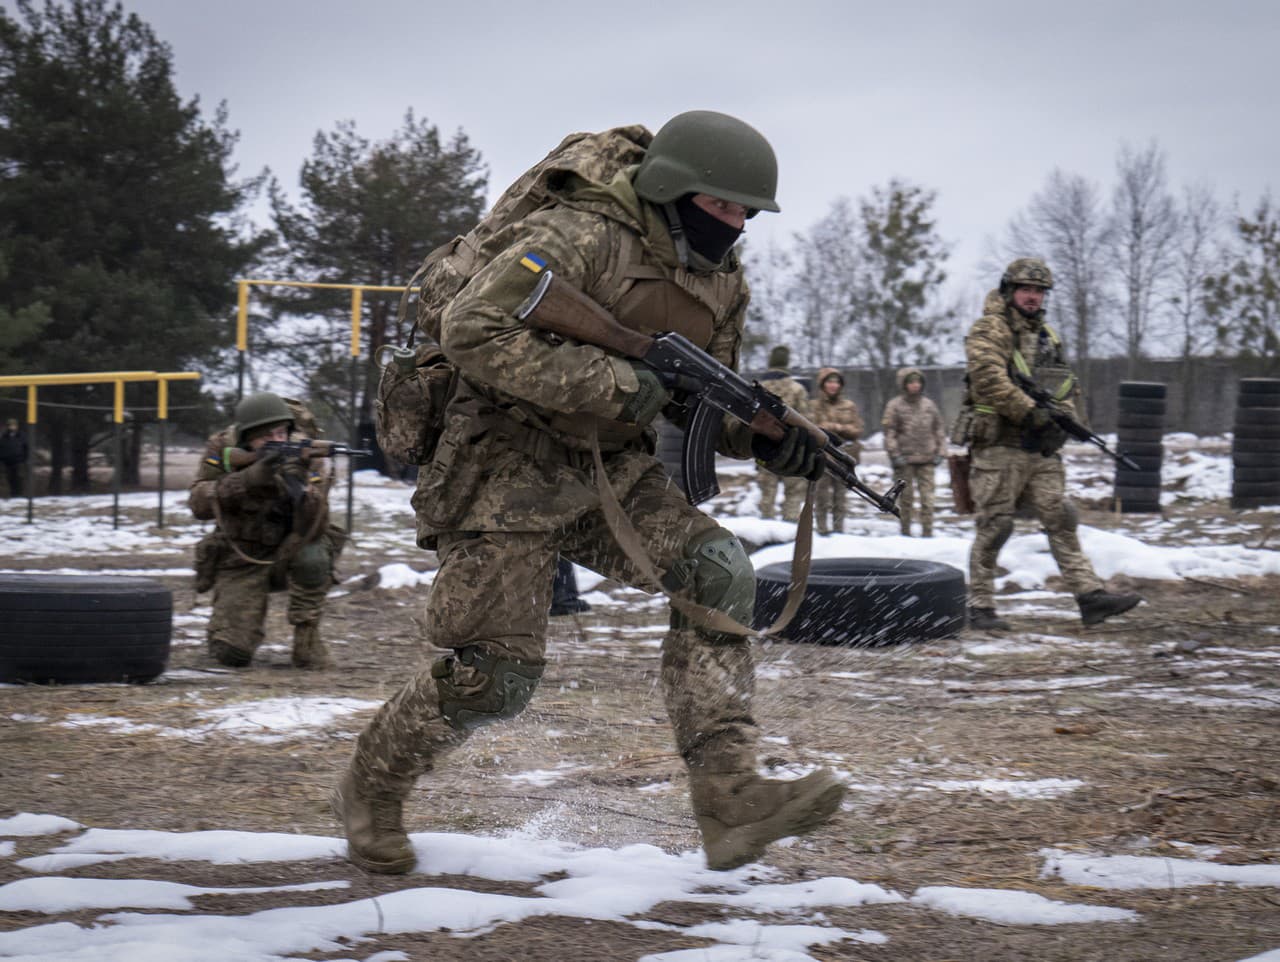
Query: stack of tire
[[1140, 435], [1255, 450]]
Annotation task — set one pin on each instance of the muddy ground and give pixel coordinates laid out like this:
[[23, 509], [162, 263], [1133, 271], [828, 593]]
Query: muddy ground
[[1168, 717]]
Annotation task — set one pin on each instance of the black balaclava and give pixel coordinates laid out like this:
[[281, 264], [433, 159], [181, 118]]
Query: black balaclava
[[707, 234]]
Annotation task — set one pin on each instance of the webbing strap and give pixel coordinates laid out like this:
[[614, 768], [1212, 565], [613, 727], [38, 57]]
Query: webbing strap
[[701, 615]]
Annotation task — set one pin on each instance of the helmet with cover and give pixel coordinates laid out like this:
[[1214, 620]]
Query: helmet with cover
[[258, 410], [705, 152], [1026, 272]]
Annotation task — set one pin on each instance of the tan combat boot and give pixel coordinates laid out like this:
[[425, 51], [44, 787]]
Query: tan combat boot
[[739, 815], [309, 649], [376, 839]]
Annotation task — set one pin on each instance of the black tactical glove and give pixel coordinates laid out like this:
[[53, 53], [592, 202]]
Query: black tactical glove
[[797, 455], [260, 477], [293, 474], [651, 397]]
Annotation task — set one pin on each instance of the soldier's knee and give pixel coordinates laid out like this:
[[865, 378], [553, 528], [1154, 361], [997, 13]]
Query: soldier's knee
[[1061, 517], [312, 566], [477, 688], [1000, 530], [716, 571]]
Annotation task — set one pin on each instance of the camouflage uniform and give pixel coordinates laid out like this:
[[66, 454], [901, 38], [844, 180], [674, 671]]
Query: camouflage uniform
[[295, 538], [1012, 465], [778, 381], [839, 416], [513, 485], [915, 439]]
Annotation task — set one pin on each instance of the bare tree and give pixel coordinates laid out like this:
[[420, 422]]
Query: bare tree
[[1199, 252], [770, 316], [1142, 235], [1065, 225], [824, 285]]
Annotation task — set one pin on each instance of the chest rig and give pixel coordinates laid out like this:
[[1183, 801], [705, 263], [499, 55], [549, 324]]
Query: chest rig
[[1047, 366]]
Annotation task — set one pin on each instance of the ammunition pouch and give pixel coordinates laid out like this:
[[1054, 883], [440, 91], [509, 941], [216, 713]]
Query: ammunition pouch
[[447, 488], [409, 413]]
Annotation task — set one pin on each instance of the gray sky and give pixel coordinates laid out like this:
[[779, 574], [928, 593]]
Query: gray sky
[[976, 100]]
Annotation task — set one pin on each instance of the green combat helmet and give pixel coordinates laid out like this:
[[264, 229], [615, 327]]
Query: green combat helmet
[[704, 152], [257, 410], [1026, 272]]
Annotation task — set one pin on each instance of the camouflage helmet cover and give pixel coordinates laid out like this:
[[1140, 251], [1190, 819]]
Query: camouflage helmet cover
[[705, 152], [257, 410], [1026, 272]]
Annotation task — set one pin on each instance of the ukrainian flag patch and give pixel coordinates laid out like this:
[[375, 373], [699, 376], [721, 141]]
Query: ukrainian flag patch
[[533, 262]]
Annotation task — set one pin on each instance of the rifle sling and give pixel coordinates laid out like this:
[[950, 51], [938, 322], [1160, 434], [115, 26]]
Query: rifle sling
[[701, 615]]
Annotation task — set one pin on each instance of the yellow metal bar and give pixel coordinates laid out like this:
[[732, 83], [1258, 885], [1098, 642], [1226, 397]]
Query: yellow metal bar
[[242, 316], [267, 282], [119, 405], [31, 404], [178, 376], [357, 300], [99, 377], [162, 400]]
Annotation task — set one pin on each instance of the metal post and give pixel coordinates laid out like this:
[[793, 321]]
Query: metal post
[[242, 334], [354, 439], [160, 484], [31, 452], [115, 475]]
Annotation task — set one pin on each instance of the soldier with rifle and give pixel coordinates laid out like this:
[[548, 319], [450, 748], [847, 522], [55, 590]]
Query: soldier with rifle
[[547, 450], [269, 497], [1017, 414]]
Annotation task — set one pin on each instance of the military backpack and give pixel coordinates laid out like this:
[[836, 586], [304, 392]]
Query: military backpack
[[417, 383]]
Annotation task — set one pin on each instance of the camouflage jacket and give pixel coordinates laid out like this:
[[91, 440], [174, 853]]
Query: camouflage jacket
[[518, 460], [258, 524], [837, 415], [991, 347], [912, 423]]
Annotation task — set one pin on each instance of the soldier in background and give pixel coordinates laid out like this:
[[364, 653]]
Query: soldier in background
[[1015, 445], [13, 455], [839, 417], [513, 482], [915, 440], [778, 381], [272, 533]]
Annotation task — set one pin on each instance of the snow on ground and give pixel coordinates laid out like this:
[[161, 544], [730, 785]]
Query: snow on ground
[[620, 885]]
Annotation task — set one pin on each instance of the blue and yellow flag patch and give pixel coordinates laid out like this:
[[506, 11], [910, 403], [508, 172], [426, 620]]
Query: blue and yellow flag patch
[[533, 262]]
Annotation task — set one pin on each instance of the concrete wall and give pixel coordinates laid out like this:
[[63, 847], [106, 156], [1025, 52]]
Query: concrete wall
[[1201, 396]]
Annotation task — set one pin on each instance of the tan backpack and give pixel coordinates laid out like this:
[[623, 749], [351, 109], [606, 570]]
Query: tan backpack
[[409, 411]]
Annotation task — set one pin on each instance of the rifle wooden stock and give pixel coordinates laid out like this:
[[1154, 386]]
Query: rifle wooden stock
[[562, 309]]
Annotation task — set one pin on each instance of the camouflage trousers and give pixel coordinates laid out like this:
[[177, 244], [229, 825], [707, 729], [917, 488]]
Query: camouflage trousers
[[830, 504], [1002, 479], [920, 481], [792, 495], [241, 589], [493, 589]]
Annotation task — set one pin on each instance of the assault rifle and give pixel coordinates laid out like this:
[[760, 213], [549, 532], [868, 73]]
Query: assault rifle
[[1065, 421], [712, 389], [304, 448]]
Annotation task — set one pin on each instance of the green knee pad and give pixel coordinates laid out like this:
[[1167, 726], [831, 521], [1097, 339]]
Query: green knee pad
[[311, 566], [478, 689], [716, 567]]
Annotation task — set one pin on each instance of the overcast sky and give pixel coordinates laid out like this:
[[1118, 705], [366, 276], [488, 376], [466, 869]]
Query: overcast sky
[[976, 100]]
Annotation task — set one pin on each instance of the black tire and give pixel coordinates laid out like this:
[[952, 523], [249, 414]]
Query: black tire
[[1246, 401], [1141, 450], [1242, 504], [1141, 405], [1260, 385], [1137, 479], [1257, 415], [866, 602], [1141, 389], [1256, 489], [1147, 465], [1257, 447], [1149, 421], [1130, 436], [1257, 432], [1254, 475], [1256, 457], [1139, 507], [1136, 494], [73, 628]]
